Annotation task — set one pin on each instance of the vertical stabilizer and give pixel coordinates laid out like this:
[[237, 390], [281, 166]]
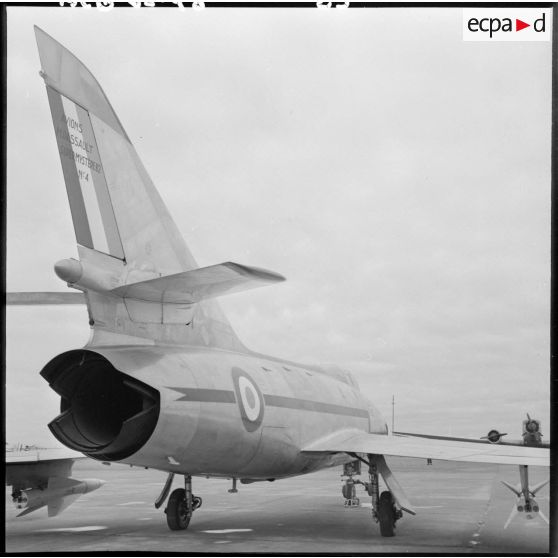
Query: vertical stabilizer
[[115, 207], [124, 232]]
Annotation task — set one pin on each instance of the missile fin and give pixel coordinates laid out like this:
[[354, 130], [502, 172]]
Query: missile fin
[[57, 505], [515, 490], [511, 516], [29, 510], [537, 487]]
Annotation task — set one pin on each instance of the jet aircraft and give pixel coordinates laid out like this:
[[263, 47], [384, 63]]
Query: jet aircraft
[[164, 382]]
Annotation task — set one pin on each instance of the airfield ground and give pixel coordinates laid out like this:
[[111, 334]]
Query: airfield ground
[[461, 508]]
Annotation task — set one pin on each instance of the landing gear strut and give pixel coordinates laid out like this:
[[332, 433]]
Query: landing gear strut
[[384, 510], [181, 505]]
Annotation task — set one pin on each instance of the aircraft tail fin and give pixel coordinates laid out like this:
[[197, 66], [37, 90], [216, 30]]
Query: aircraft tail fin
[[115, 207], [127, 240]]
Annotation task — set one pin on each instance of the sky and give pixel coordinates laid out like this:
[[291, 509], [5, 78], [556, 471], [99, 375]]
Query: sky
[[398, 176]]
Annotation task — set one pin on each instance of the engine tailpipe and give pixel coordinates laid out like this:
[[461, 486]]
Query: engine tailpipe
[[104, 413]]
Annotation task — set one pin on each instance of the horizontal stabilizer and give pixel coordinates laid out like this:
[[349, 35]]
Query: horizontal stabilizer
[[43, 298], [199, 284]]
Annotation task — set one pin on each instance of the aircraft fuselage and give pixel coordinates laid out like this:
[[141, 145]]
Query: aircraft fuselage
[[220, 413]]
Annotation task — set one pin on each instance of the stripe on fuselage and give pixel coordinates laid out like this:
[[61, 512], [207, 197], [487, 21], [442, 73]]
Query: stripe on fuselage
[[226, 396], [206, 395], [315, 406]]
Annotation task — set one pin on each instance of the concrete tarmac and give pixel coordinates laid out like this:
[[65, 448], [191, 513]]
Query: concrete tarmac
[[461, 508]]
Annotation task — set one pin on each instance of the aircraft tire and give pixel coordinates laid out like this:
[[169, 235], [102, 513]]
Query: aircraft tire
[[177, 517], [386, 514]]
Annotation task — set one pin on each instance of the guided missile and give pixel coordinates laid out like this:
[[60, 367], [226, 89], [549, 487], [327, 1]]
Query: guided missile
[[60, 493]]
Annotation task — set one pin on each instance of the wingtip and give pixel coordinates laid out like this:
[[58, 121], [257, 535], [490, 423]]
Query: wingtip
[[259, 272]]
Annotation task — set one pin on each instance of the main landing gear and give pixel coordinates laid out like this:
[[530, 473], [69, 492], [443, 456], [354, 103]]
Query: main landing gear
[[385, 510], [181, 505]]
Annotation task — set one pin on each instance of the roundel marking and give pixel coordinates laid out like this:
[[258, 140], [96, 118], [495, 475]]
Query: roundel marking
[[249, 398]]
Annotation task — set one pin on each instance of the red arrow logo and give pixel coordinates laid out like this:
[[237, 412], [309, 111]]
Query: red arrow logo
[[519, 25]]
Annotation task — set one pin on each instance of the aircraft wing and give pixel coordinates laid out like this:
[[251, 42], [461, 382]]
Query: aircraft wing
[[433, 448], [518, 443], [30, 470], [43, 479]]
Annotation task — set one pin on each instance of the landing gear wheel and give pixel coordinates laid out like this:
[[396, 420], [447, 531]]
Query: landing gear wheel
[[196, 502], [349, 491], [386, 514], [177, 511]]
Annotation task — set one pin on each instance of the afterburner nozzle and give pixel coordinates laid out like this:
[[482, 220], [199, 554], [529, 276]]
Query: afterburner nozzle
[[69, 270]]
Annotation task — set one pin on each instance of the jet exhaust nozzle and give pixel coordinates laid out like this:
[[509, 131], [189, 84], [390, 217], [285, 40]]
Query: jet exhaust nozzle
[[104, 413]]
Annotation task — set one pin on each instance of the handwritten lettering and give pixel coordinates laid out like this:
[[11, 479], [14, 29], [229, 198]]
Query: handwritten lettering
[[63, 134], [332, 5], [74, 4], [67, 152], [106, 5], [83, 175], [81, 144], [71, 123]]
